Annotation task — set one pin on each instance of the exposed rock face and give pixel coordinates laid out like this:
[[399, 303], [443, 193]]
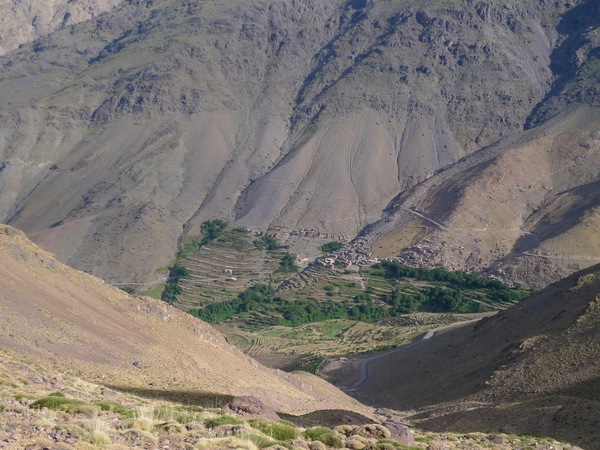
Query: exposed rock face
[[526, 211], [23, 21], [123, 131]]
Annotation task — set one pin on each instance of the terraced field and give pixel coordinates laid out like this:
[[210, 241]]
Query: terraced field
[[225, 267], [320, 283], [292, 348], [319, 312]]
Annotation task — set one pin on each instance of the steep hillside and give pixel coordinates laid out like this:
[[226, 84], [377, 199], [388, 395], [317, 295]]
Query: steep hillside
[[74, 323], [527, 209], [123, 132], [530, 369]]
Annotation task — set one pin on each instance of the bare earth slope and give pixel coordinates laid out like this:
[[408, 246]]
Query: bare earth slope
[[530, 369], [527, 210], [122, 131], [74, 322]]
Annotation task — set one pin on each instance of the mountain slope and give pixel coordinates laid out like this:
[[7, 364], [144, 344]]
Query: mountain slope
[[75, 323], [527, 209], [123, 132], [530, 369]]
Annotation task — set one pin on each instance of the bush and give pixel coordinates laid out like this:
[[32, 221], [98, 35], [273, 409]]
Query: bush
[[57, 402], [287, 264], [115, 407], [222, 420], [331, 247], [324, 435], [277, 430], [266, 242]]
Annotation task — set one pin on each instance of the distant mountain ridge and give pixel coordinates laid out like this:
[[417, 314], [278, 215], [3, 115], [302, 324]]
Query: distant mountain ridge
[[127, 130]]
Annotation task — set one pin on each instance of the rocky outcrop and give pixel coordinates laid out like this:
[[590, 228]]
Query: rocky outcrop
[[23, 21]]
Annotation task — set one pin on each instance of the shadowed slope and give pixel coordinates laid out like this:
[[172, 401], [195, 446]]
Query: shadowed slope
[[530, 369]]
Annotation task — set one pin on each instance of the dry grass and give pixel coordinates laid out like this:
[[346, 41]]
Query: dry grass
[[154, 422]]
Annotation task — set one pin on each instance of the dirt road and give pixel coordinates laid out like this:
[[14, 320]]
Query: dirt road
[[364, 366]]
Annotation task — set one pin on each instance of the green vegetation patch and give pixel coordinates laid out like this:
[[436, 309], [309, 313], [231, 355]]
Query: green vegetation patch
[[57, 402], [115, 407], [324, 435], [222, 420], [261, 300], [267, 242], [287, 264], [331, 247], [277, 430]]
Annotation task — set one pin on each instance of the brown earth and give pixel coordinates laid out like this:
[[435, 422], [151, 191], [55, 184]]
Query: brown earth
[[526, 210]]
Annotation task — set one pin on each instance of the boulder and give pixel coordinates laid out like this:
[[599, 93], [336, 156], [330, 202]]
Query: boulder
[[374, 430], [299, 444], [497, 439], [317, 445], [355, 444], [250, 407], [231, 430], [400, 432]]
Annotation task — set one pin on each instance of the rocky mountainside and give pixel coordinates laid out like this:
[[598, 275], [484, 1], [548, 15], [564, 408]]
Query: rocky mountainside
[[23, 21], [75, 324], [527, 208], [530, 369], [122, 132]]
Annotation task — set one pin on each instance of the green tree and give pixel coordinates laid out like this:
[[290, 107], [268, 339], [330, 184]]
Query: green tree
[[287, 264]]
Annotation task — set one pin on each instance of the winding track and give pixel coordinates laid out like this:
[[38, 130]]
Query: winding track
[[365, 365]]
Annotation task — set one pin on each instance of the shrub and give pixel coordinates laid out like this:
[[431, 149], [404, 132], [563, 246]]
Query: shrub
[[58, 403], [331, 246], [56, 394], [222, 420], [324, 435], [277, 430], [287, 264], [115, 407]]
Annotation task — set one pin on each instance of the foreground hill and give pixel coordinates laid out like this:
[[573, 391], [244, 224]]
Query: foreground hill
[[74, 323], [122, 132], [530, 369]]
